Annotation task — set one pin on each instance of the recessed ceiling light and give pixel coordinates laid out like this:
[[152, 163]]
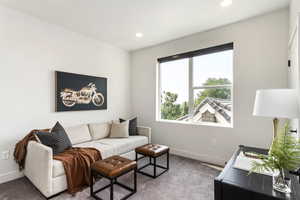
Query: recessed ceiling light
[[226, 3], [139, 35]]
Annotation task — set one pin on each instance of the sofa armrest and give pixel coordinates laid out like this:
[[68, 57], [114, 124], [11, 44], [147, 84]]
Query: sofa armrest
[[39, 166], [145, 131]]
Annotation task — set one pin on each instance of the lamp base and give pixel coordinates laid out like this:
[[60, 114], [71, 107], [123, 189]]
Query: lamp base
[[275, 127]]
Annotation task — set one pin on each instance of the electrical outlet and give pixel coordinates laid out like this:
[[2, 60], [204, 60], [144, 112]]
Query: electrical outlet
[[5, 155]]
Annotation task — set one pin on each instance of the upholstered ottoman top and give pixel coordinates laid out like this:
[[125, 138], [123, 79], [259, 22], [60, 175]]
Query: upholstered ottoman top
[[113, 166], [153, 150]]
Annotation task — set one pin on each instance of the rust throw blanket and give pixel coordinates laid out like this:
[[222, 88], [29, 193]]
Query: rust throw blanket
[[76, 162]]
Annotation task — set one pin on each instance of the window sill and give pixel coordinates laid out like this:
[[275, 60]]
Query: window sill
[[195, 124]]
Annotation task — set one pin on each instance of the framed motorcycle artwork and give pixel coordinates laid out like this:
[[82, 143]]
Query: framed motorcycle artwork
[[75, 92]]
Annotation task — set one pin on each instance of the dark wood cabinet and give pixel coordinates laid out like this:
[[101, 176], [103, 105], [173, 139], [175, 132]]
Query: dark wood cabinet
[[236, 184]]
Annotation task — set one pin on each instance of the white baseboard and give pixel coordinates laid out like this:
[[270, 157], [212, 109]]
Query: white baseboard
[[200, 157], [10, 176]]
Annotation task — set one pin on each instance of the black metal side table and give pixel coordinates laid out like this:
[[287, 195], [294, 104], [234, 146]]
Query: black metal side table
[[112, 168], [152, 151]]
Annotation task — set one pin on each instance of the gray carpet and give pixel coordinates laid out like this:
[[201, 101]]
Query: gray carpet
[[186, 179]]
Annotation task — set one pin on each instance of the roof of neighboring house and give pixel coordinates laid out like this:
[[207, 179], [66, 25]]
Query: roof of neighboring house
[[221, 106]]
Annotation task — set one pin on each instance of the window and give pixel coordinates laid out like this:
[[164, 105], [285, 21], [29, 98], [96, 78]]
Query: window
[[196, 87]]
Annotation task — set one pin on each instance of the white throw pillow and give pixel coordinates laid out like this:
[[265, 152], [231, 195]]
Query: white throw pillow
[[78, 134], [119, 130], [99, 130]]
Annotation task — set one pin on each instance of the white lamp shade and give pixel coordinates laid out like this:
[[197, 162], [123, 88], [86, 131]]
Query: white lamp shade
[[277, 103]]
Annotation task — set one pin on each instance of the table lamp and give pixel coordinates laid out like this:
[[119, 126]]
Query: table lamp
[[276, 103]]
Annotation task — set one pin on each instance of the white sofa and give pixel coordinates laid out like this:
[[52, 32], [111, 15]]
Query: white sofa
[[48, 175]]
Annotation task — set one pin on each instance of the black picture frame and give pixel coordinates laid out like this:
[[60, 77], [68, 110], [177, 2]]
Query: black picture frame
[[77, 92]]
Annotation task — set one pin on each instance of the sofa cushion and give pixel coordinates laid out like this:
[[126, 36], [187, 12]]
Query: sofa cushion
[[99, 130], [107, 147], [106, 151], [119, 130], [78, 134], [132, 125], [124, 145], [57, 139]]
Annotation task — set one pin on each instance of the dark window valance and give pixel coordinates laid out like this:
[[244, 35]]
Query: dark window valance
[[209, 50]]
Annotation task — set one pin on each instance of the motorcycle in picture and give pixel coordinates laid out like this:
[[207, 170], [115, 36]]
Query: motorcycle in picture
[[86, 95]]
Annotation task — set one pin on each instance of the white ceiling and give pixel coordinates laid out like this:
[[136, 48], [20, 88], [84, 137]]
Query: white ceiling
[[117, 21]]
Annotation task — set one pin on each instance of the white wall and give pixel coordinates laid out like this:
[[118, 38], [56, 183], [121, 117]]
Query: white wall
[[260, 61], [294, 11], [30, 51], [293, 75]]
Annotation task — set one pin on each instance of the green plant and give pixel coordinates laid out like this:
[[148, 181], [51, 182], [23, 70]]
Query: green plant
[[170, 109], [220, 93], [284, 154]]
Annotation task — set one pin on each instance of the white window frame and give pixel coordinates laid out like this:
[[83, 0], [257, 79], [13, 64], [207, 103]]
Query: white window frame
[[191, 89]]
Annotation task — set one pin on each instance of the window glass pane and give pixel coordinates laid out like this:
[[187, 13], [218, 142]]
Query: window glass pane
[[212, 105], [213, 69], [211, 89], [174, 89]]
